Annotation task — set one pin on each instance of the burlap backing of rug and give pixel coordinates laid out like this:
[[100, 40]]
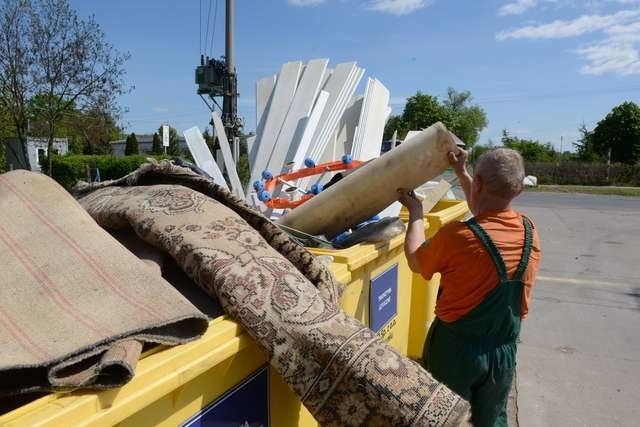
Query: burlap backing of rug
[[344, 374], [75, 305]]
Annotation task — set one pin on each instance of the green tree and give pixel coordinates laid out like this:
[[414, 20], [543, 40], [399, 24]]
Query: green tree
[[156, 144], [618, 135], [16, 61], [584, 146], [455, 112], [3, 157], [131, 145], [465, 120], [396, 123], [49, 54], [478, 150], [211, 141], [530, 150]]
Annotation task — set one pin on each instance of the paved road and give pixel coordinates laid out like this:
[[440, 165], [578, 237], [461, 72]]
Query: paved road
[[579, 356]]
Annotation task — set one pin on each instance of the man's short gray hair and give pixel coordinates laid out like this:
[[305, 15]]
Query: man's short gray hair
[[502, 172]]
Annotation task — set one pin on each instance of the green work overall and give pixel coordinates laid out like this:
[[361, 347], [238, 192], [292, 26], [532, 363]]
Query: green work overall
[[475, 356]]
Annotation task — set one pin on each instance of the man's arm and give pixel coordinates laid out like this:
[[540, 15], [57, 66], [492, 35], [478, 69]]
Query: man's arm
[[415, 229], [458, 161]]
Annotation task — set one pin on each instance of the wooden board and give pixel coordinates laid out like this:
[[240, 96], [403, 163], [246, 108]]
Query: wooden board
[[373, 187]]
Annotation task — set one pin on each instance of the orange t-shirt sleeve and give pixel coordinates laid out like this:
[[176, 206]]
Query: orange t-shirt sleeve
[[431, 255]]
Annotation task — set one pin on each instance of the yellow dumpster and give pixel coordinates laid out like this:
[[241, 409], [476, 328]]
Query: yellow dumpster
[[218, 377], [378, 287], [424, 293]]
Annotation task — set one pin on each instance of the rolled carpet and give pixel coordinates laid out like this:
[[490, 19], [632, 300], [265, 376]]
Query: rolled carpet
[[75, 305], [343, 372]]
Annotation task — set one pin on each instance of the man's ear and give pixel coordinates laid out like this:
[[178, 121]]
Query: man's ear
[[478, 183], [519, 191]]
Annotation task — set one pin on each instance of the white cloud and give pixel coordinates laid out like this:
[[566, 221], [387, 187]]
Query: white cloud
[[517, 7], [398, 7], [305, 2], [610, 57], [617, 51], [576, 27]]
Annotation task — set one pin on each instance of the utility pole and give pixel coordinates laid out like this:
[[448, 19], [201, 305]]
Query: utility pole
[[218, 78], [230, 103]]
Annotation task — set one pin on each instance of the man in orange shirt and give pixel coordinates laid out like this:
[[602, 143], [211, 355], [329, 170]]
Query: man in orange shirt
[[488, 266]]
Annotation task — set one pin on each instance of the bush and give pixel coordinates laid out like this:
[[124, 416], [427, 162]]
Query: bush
[[577, 173], [3, 159], [68, 170], [131, 145]]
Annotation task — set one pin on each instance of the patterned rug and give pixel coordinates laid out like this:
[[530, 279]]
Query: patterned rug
[[71, 317], [286, 300]]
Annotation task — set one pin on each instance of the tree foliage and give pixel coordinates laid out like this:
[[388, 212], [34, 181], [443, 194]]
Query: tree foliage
[[456, 112], [619, 134], [532, 151], [211, 141], [156, 144], [131, 145], [584, 146], [88, 131], [16, 59], [54, 64]]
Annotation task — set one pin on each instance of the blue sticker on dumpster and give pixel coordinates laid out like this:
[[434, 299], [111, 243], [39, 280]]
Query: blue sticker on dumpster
[[246, 405], [383, 303]]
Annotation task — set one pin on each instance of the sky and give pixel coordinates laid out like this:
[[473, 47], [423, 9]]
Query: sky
[[539, 68]]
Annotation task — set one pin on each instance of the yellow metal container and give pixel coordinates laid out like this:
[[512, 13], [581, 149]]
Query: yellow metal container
[[173, 384], [425, 292], [378, 287]]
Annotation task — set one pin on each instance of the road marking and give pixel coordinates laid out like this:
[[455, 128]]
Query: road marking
[[582, 281]]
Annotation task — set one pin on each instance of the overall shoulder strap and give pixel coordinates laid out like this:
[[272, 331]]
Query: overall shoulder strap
[[490, 247], [526, 250]]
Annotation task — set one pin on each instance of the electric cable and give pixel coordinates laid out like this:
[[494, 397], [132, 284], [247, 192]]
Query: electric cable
[[213, 32], [206, 37]]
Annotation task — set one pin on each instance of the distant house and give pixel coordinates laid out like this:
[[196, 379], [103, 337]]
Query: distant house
[[145, 145], [36, 150]]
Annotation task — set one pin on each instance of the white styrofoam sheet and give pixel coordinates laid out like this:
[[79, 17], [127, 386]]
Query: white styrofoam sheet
[[335, 86], [283, 94], [264, 92], [310, 128], [371, 133], [293, 126], [202, 156], [346, 93], [229, 164], [349, 123]]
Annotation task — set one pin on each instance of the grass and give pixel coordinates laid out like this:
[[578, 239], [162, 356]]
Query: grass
[[614, 191]]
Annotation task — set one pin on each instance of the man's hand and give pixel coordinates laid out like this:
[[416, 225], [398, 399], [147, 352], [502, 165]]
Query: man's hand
[[409, 200], [458, 160]]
